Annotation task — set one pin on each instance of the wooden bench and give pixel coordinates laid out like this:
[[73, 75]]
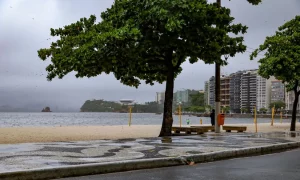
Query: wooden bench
[[188, 130], [206, 128], [235, 128]]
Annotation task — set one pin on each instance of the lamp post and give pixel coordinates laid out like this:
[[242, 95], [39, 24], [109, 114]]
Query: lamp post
[[217, 88], [273, 111]]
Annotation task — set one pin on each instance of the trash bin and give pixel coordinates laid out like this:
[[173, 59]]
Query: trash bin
[[221, 119]]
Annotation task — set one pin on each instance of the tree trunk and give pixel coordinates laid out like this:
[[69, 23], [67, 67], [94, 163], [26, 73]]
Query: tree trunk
[[294, 113], [166, 129]]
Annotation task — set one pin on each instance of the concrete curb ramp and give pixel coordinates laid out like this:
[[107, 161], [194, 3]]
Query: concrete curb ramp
[[100, 168]]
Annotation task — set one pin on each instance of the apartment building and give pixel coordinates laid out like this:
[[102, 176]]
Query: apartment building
[[182, 96], [277, 91], [263, 92], [235, 92], [248, 90], [289, 101], [160, 97], [206, 93], [212, 91], [225, 91]]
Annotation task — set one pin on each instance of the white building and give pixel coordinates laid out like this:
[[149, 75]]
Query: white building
[[277, 91], [289, 101], [263, 92], [248, 90], [206, 93], [255, 90], [182, 96], [160, 97]]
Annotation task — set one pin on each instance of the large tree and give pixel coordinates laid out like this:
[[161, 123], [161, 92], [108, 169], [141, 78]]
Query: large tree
[[282, 59], [145, 40]]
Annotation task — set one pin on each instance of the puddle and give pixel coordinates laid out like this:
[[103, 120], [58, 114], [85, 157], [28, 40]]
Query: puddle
[[277, 135]]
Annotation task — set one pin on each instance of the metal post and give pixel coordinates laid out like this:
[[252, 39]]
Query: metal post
[[179, 113], [272, 121], [254, 113], [281, 115], [130, 116], [217, 89], [255, 119]]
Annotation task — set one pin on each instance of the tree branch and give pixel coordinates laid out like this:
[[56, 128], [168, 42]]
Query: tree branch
[[180, 60]]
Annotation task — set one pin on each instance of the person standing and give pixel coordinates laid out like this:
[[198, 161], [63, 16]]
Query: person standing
[[212, 117], [188, 121]]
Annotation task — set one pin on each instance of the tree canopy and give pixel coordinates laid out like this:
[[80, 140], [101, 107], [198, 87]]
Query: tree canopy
[[282, 58], [135, 38], [254, 2], [196, 99], [263, 110], [145, 40], [278, 105], [226, 109]]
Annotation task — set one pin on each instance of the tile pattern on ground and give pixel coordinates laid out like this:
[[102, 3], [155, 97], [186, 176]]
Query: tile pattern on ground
[[15, 157]]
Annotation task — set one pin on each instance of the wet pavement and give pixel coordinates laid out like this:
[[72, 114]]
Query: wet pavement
[[283, 166], [17, 157]]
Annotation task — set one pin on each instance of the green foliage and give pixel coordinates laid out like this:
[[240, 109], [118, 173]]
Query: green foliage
[[208, 108], [102, 106], [226, 109], [263, 110], [145, 40], [109, 106], [254, 2], [195, 109], [282, 59], [142, 39], [196, 99], [244, 110], [282, 54], [278, 105], [148, 107]]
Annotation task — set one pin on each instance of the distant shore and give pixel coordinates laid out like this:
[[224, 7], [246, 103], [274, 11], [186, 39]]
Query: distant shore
[[84, 133]]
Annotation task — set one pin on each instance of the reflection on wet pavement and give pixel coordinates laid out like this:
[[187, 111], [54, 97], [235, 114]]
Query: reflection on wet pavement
[[46, 155]]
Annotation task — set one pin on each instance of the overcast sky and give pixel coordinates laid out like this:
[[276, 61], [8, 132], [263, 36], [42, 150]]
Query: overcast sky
[[25, 27]]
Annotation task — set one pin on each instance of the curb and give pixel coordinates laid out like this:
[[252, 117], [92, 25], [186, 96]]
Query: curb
[[101, 168]]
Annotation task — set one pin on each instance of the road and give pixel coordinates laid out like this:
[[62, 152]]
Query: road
[[280, 166]]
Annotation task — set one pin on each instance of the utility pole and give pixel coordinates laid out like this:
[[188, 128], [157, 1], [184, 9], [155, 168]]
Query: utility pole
[[217, 89]]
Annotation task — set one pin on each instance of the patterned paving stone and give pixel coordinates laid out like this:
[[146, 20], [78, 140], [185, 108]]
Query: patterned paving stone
[[44, 155]]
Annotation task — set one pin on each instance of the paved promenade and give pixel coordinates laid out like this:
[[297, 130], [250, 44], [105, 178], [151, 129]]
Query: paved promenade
[[17, 157]]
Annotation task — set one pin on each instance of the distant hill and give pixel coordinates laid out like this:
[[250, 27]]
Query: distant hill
[[110, 106]]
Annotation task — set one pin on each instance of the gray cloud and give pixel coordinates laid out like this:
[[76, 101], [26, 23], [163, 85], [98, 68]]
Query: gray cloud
[[24, 28]]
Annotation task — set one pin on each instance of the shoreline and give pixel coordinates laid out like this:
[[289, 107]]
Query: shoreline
[[13, 135]]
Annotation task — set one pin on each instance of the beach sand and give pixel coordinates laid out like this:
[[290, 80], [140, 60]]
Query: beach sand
[[84, 133]]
